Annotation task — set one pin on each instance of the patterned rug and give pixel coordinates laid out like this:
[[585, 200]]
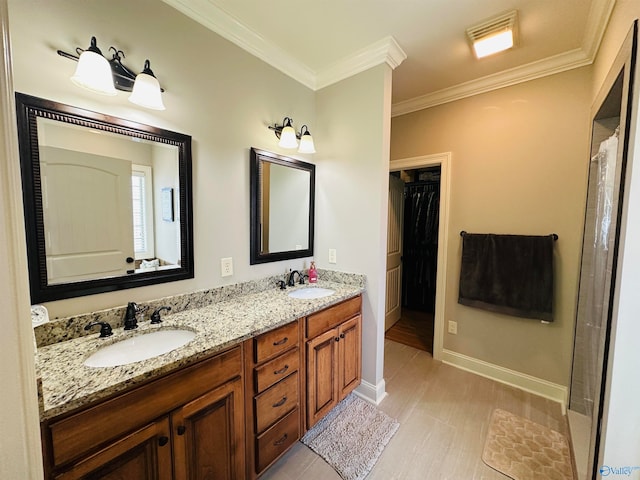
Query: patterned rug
[[352, 437], [524, 450]]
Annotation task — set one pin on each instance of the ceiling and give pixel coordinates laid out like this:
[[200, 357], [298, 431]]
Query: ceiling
[[322, 42]]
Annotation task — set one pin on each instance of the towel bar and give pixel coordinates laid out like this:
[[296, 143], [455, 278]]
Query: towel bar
[[554, 235]]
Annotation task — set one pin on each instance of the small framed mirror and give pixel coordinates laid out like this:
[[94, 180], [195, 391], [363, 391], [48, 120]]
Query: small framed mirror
[[98, 216], [282, 207]]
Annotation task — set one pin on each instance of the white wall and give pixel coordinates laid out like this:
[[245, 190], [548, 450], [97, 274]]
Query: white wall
[[20, 442], [217, 93], [352, 197], [225, 99]]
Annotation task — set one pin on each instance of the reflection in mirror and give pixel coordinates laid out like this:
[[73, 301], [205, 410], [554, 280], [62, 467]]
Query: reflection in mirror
[[282, 207], [99, 201]]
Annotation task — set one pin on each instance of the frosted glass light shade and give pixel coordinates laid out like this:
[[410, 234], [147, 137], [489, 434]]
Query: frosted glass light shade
[[306, 143], [146, 92], [94, 73], [288, 137], [493, 43]]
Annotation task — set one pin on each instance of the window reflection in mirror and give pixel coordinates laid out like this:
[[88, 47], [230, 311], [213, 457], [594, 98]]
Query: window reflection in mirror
[[101, 203], [282, 207]]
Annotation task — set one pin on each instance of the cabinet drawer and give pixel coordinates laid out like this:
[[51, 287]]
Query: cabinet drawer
[[275, 441], [277, 341], [327, 319], [275, 370], [274, 403]]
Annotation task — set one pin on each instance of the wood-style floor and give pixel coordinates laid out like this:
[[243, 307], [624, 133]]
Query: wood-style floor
[[415, 328], [444, 415]]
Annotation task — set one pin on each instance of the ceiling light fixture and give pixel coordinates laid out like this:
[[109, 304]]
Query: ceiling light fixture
[[99, 75], [494, 35], [289, 138]]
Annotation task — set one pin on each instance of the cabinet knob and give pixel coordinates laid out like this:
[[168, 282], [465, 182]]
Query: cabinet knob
[[337, 339], [181, 429], [162, 441], [277, 443], [342, 335], [280, 403], [281, 342]]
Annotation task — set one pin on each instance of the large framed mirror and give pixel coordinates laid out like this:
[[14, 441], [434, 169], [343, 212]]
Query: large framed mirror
[[107, 201], [282, 207]]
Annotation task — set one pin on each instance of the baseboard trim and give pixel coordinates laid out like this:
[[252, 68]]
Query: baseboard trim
[[370, 392], [528, 383]]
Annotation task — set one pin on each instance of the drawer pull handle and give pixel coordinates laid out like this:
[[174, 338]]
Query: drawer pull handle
[[282, 370], [277, 443], [162, 441], [280, 403], [281, 342], [181, 429]]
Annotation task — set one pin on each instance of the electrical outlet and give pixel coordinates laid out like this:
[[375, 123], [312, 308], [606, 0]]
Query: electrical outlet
[[453, 327], [226, 266], [332, 255]]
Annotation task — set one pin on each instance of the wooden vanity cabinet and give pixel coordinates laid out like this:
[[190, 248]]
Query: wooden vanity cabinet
[[334, 357], [273, 382], [188, 424]]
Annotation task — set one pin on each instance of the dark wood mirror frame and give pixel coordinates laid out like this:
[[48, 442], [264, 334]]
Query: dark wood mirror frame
[[28, 110], [257, 156]]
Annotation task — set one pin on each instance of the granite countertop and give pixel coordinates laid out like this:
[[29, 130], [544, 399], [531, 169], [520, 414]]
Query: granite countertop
[[67, 384]]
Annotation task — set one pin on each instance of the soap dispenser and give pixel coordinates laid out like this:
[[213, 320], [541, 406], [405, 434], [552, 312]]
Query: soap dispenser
[[313, 274]]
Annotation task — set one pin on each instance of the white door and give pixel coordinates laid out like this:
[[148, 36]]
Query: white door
[[394, 252], [88, 216]]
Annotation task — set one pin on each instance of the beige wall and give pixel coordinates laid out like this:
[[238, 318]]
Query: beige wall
[[519, 166]]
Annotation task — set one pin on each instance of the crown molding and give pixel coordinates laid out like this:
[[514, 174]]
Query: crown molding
[[386, 51], [599, 15], [597, 22], [217, 20], [220, 22], [542, 68]]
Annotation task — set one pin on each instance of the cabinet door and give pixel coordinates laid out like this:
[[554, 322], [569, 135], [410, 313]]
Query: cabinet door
[[322, 381], [349, 356], [143, 455], [208, 435]]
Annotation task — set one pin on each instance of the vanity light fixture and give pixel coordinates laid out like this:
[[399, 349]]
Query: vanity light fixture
[[289, 138], [99, 75], [494, 35]]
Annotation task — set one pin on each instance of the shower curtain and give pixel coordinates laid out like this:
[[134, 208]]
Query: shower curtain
[[592, 317], [420, 250]]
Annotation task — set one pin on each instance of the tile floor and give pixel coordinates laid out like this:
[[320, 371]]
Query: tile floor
[[444, 414]]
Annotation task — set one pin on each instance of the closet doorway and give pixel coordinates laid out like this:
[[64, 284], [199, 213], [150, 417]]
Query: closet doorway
[[417, 234]]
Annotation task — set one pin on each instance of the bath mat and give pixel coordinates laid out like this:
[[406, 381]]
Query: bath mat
[[524, 450], [352, 437]]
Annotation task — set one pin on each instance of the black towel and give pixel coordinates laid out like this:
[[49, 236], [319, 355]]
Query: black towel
[[510, 274]]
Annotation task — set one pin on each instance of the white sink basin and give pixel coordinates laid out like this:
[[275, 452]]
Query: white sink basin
[[311, 292], [140, 347]]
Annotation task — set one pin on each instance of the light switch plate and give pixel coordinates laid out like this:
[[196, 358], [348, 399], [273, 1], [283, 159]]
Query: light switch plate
[[226, 266], [332, 255]]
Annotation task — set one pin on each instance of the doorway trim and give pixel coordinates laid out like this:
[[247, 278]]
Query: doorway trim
[[444, 161]]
